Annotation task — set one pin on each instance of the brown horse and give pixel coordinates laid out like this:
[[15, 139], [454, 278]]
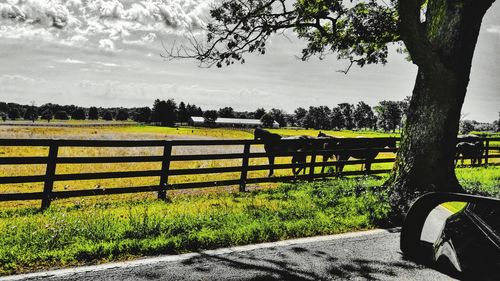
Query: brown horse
[[331, 143], [275, 144], [359, 148], [469, 147]]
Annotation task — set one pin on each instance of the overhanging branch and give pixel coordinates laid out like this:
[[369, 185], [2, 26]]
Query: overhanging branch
[[359, 33]]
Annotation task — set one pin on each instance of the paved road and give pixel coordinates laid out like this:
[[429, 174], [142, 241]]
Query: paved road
[[373, 255]]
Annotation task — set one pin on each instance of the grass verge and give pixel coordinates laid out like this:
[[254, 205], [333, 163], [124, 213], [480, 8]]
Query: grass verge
[[96, 233]]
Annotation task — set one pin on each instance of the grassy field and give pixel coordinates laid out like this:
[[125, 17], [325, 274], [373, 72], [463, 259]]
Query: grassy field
[[141, 132], [99, 232], [136, 132], [480, 181], [246, 133]]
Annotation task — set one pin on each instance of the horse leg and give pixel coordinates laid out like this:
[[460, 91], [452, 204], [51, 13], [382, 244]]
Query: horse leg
[[300, 159], [368, 166], [271, 166], [304, 162], [294, 169], [337, 165], [340, 166], [323, 165]]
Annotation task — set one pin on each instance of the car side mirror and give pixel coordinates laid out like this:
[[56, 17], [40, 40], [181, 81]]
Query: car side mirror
[[462, 236]]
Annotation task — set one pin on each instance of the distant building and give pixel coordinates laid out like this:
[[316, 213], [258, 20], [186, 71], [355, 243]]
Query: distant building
[[229, 122]]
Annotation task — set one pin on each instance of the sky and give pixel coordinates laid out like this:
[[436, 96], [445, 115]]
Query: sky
[[107, 53]]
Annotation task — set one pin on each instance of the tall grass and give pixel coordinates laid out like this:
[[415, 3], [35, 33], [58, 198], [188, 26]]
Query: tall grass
[[89, 233], [480, 180], [107, 230]]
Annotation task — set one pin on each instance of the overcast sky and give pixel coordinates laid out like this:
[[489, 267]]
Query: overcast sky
[[107, 53]]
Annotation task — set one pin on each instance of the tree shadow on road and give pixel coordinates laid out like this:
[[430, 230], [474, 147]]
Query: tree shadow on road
[[319, 265]]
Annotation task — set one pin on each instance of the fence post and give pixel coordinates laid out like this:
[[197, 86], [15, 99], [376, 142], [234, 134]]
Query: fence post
[[313, 162], [165, 166], [50, 172], [244, 167], [486, 152]]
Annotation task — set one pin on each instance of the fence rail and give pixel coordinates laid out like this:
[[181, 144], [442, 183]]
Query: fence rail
[[52, 160]]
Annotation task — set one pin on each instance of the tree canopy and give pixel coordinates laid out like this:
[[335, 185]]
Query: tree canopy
[[164, 112], [267, 120], [93, 113], [47, 115], [226, 112], [121, 114], [107, 115], [78, 114], [210, 116], [389, 115]]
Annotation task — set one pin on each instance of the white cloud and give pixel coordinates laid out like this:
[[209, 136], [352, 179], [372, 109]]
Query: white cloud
[[107, 45], [146, 39], [75, 40], [25, 31], [87, 23], [85, 84], [8, 11], [112, 9], [108, 64], [140, 13], [71, 61], [16, 78], [49, 13]]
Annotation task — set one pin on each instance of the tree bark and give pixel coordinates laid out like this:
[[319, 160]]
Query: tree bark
[[442, 47]]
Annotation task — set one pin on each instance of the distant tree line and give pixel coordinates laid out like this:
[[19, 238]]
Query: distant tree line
[[386, 115], [468, 126]]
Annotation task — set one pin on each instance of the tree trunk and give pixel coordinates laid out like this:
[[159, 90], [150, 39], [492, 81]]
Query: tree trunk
[[442, 47]]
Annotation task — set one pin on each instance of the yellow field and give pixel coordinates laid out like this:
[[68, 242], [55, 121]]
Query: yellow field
[[141, 133]]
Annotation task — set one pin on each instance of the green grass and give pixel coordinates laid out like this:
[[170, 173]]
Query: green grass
[[65, 236], [342, 133], [481, 180], [90, 231], [246, 133], [190, 131]]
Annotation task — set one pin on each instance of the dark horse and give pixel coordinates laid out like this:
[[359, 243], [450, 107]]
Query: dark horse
[[331, 143], [469, 147], [359, 148], [275, 144]]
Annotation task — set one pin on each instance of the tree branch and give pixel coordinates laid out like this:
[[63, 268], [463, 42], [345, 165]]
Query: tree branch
[[359, 33]]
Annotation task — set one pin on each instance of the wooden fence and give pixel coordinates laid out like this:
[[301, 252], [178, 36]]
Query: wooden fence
[[53, 159]]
